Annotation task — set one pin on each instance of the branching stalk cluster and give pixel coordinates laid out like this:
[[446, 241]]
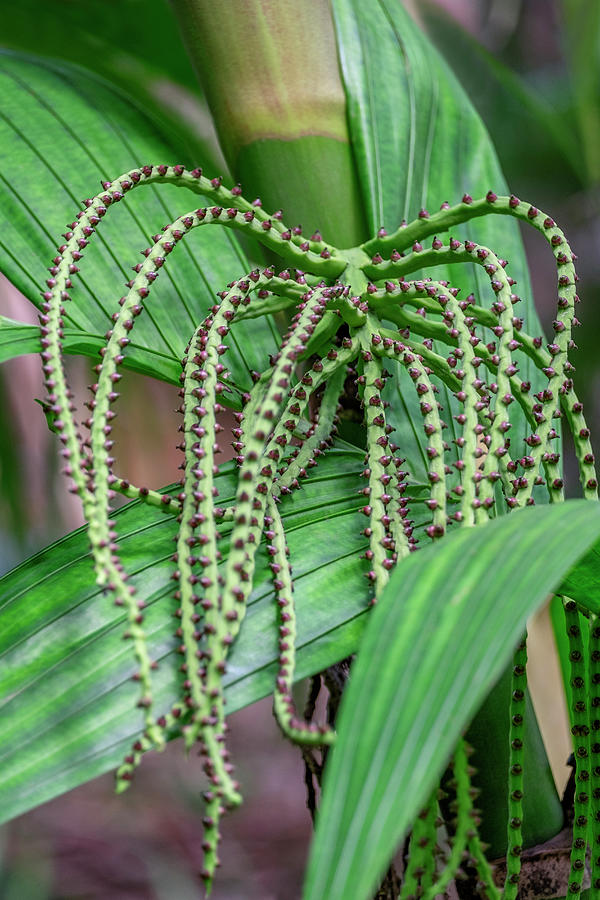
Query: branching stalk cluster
[[355, 312]]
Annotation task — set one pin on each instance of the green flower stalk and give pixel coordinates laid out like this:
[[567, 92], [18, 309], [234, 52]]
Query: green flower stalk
[[581, 740], [515, 770], [420, 867], [594, 702]]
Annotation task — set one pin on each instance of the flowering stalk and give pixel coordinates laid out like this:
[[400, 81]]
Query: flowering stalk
[[344, 302]]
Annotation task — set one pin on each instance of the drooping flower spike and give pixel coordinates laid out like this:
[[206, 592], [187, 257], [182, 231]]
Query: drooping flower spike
[[355, 314], [515, 772]]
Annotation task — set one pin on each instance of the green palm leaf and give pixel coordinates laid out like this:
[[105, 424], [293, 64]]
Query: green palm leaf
[[62, 130], [442, 633]]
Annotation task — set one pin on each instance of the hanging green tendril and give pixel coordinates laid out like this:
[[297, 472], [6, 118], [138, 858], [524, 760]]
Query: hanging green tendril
[[581, 745], [594, 708], [420, 866], [283, 704], [465, 820], [320, 433], [518, 685], [381, 553]]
